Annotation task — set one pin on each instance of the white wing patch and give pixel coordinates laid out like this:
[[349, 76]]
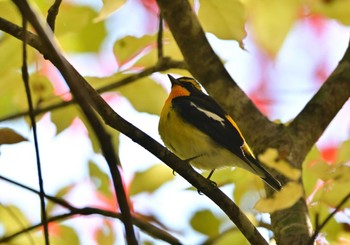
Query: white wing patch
[[210, 114]]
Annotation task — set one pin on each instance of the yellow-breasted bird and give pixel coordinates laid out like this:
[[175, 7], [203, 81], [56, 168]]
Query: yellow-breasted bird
[[194, 127]]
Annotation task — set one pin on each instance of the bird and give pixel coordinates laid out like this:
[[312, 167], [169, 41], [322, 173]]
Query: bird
[[195, 128]]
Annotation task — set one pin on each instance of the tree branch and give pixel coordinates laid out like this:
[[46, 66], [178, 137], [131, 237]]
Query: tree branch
[[308, 126], [160, 50], [52, 14]]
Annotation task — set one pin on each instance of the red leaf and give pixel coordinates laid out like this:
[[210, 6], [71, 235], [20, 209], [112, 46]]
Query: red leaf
[[151, 6], [329, 154]]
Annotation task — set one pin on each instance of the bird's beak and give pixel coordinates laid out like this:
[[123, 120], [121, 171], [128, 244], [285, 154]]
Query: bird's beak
[[173, 81]]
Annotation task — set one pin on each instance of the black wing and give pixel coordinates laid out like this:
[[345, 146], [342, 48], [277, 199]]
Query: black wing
[[205, 114]]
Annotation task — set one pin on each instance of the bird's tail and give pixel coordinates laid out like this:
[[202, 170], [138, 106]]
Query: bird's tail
[[259, 170]]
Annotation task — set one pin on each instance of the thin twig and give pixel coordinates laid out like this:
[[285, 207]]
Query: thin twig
[[52, 14], [160, 38], [25, 77], [323, 224]]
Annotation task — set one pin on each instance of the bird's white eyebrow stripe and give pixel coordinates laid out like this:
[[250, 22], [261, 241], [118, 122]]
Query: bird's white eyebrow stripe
[[210, 114]]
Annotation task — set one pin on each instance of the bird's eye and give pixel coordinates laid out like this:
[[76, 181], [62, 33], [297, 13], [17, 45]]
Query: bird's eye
[[192, 86]]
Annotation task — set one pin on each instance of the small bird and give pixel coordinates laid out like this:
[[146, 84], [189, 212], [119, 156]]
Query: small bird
[[195, 128]]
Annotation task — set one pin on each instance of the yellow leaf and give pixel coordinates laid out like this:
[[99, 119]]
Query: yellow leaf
[[145, 95], [343, 152], [225, 19], [270, 158], [9, 136], [151, 179], [76, 30], [109, 7], [271, 20], [205, 222], [63, 117], [334, 192], [283, 199], [170, 50]]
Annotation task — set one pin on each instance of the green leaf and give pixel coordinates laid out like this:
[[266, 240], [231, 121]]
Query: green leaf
[[109, 7], [233, 235], [63, 117], [145, 95], [130, 47], [41, 90], [271, 21], [76, 30], [206, 222], [170, 49], [9, 12], [333, 194], [100, 179], [310, 178], [343, 152], [106, 234], [225, 19], [66, 235], [245, 182], [9, 136], [151, 179], [12, 219]]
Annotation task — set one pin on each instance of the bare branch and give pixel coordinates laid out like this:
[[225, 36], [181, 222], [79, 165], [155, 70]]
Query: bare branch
[[52, 14], [25, 78], [160, 38]]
